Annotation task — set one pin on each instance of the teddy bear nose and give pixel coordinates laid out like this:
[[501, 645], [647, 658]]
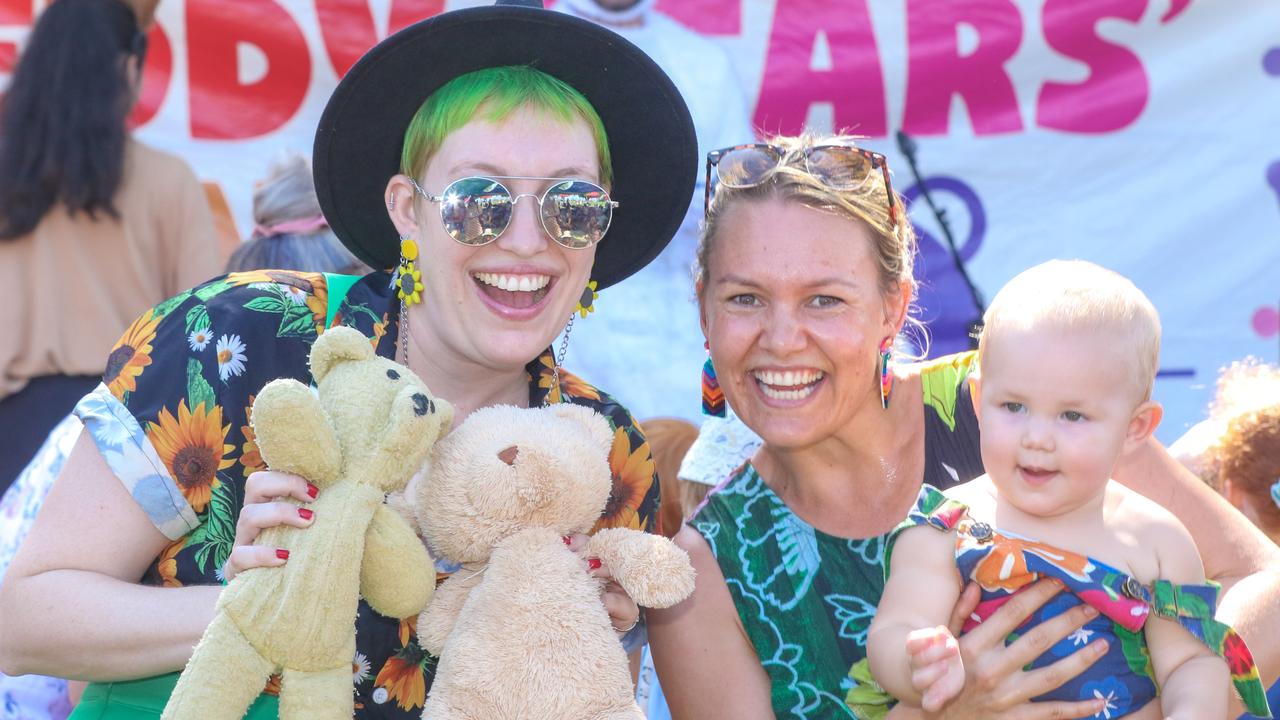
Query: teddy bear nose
[[509, 455], [420, 404]]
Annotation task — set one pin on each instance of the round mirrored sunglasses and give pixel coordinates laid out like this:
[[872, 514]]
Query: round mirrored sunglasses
[[840, 167], [476, 210]]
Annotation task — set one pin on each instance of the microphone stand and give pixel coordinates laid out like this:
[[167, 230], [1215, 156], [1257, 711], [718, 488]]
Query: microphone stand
[[907, 146]]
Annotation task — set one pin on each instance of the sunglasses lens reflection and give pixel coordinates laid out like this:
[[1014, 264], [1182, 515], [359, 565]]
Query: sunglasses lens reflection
[[475, 210], [745, 167], [841, 168], [576, 214]]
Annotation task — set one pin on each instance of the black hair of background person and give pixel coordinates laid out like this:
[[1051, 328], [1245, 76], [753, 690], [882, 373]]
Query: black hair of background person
[[62, 129]]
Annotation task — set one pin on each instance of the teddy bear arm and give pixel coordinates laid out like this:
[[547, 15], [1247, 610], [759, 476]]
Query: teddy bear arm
[[653, 571], [293, 434], [397, 575], [437, 621]]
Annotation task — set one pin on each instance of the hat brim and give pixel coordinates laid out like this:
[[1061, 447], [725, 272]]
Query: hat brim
[[651, 136]]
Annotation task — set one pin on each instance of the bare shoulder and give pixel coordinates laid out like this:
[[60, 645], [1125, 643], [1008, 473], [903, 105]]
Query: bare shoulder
[[1154, 527], [692, 542], [924, 548]]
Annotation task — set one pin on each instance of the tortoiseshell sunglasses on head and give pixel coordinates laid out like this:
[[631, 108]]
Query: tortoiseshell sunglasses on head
[[839, 167]]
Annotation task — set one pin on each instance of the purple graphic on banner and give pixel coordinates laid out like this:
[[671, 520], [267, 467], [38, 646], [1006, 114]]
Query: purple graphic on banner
[[1266, 322], [946, 305], [1271, 64]]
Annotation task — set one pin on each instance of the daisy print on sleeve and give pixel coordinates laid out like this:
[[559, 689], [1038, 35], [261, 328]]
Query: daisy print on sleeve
[[231, 357]]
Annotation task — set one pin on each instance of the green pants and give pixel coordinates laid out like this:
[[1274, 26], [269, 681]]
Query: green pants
[[144, 699]]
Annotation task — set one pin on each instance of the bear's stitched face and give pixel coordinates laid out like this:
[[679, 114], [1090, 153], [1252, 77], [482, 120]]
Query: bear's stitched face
[[379, 409], [506, 469]]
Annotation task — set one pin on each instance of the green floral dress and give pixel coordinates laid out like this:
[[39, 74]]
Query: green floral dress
[[172, 420], [806, 598]]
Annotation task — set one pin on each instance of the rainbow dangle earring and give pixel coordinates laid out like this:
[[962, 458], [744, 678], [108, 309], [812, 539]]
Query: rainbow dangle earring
[[408, 277], [712, 395], [886, 377]]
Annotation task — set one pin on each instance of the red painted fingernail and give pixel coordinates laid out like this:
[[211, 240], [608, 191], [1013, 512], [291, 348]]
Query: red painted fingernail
[[282, 553], [305, 514], [567, 540], [312, 490], [593, 563]]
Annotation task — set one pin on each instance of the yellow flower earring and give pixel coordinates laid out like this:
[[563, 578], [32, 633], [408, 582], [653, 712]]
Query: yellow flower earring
[[587, 303], [408, 277]]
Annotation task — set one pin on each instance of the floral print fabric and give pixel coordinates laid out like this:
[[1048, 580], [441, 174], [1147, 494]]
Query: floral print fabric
[[806, 598], [1003, 563], [172, 420]]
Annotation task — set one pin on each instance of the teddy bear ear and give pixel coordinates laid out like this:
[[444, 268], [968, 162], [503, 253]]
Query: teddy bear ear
[[595, 423], [336, 345]]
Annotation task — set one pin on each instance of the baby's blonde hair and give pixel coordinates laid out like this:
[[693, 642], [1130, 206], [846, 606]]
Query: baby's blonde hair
[[1079, 295]]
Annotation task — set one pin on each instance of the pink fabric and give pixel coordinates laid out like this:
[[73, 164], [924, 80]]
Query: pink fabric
[[301, 225]]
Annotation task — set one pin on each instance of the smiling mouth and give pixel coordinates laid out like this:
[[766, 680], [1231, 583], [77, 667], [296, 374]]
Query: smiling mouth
[[514, 291], [788, 384], [1035, 475]]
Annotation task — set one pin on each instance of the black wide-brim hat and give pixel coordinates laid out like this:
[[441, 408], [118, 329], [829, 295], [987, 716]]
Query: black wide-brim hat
[[651, 137]]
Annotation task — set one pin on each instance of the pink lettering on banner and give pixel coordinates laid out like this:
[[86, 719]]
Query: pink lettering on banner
[[222, 108], [937, 69], [709, 17], [16, 12], [854, 84], [13, 12], [1116, 91], [347, 27], [156, 74]]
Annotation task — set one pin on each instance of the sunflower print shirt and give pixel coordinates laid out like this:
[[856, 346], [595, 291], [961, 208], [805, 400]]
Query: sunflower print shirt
[[172, 419]]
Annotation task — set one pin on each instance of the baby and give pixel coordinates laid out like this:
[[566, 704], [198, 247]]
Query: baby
[[1067, 361]]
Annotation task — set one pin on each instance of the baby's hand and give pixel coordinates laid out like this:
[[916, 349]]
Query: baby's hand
[[937, 671]]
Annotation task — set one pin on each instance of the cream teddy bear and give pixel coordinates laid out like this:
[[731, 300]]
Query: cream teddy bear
[[520, 630], [365, 431]]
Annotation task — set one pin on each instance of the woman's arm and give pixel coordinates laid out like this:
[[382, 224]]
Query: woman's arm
[[704, 660], [71, 605], [1235, 553]]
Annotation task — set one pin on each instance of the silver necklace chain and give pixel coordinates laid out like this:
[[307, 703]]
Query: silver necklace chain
[[559, 360]]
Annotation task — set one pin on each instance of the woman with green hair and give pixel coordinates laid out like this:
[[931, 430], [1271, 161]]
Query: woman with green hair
[[498, 166]]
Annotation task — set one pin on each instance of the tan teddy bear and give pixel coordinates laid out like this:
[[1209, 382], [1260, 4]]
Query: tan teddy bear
[[365, 431], [520, 630]]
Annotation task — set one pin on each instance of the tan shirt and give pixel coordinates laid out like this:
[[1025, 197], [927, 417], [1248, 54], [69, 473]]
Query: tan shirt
[[70, 288]]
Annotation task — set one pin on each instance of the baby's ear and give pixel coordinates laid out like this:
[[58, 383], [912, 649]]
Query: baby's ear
[[1146, 417]]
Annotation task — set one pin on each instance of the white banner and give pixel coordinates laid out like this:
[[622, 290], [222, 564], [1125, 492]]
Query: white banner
[[1140, 134]]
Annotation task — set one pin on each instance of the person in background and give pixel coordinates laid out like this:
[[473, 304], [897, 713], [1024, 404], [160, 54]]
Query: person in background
[[289, 238], [290, 232], [1243, 461], [655, 309], [1236, 449], [669, 442], [95, 227], [723, 445]]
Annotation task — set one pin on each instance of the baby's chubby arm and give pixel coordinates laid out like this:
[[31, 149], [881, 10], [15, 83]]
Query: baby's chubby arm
[[911, 652], [1194, 682]]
